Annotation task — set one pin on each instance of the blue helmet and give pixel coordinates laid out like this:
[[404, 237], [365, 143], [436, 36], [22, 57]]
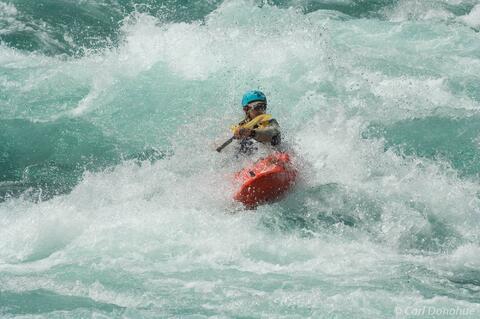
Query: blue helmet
[[252, 96]]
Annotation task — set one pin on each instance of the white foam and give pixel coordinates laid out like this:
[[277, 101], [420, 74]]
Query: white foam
[[164, 227], [333, 144], [406, 10], [198, 50], [7, 10], [466, 256], [473, 18]]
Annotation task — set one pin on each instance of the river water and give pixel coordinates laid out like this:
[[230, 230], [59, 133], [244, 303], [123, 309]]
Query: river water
[[114, 204]]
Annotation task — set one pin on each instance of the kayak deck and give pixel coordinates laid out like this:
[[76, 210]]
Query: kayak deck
[[267, 180]]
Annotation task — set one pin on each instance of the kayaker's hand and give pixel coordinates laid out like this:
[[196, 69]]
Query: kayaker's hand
[[242, 132]]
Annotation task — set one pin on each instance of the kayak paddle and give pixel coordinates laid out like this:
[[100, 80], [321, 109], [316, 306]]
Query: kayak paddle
[[221, 147]]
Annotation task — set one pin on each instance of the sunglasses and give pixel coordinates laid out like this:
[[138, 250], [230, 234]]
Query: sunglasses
[[255, 107]]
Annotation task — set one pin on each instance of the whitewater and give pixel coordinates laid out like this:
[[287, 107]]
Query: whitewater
[[114, 203]]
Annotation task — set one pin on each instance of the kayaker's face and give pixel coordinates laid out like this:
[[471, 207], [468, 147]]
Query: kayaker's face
[[254, 109]]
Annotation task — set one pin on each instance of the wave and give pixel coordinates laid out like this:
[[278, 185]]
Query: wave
[[114, 202]]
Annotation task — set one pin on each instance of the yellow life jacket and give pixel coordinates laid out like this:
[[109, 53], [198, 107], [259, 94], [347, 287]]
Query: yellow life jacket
[[260, 121]]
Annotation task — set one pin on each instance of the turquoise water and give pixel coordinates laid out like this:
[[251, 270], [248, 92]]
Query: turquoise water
[[114, 204]]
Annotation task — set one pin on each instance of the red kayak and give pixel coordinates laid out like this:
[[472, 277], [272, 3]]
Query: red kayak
[[267, 180]]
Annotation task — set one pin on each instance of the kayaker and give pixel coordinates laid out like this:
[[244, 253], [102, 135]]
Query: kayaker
[[257, 126]]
